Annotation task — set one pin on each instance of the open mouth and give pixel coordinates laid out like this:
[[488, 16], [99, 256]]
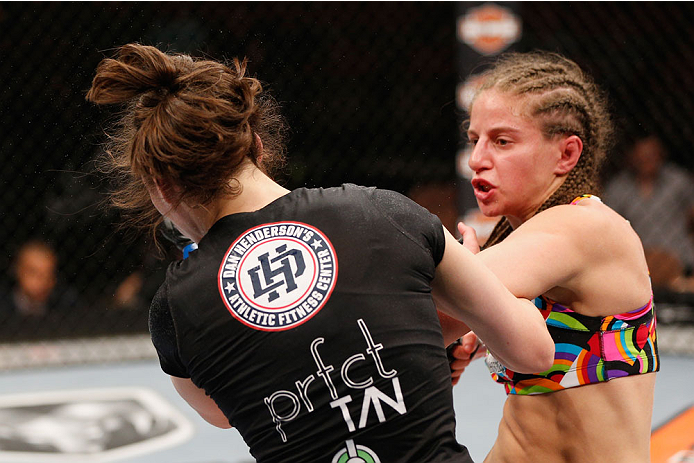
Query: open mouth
[[482, 185]]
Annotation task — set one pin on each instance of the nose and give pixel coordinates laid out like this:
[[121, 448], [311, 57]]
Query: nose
[[479, 158]]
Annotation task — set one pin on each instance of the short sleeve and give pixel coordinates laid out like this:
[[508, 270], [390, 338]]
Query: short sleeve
[[163, 333], [415, 221]]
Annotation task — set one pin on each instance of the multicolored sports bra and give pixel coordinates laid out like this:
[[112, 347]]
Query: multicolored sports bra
[[587, 349]]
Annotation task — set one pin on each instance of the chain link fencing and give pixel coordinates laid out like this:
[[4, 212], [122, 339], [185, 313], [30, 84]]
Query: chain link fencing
[[368, 90]]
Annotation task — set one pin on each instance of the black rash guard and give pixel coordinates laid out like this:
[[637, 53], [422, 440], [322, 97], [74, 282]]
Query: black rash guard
[[310, 322]]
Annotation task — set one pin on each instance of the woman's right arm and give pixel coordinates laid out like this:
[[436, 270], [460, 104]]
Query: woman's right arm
[[512, 329]]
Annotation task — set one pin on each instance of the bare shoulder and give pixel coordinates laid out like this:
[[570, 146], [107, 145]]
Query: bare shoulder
[[613, 272], [584, 255], [583, 214], [590, 225]]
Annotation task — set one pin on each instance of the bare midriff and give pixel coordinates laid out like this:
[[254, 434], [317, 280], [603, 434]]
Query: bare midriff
[[601, 422]]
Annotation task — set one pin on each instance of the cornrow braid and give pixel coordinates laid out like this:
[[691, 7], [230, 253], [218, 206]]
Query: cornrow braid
[[564, 100]]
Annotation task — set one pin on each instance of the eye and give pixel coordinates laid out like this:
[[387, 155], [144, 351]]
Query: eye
[[472, 141], [503, 142]]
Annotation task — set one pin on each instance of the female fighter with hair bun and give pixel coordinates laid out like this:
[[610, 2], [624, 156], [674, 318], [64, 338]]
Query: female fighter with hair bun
[[539, 129], [305, 318]]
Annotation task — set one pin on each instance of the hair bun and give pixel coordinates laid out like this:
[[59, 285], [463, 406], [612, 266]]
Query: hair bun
[[159, 70], [169, 82], [137, 69]]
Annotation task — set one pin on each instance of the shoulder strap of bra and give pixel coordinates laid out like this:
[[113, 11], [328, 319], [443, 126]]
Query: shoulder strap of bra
[[586, 196]]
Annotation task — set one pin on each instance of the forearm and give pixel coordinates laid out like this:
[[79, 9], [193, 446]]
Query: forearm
[[512, 327], [452, 328], [517, 337]]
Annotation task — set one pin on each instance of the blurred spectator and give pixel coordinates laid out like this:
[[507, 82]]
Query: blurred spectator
[[136, 291], [657, 197], [35, 291], [111, 268]]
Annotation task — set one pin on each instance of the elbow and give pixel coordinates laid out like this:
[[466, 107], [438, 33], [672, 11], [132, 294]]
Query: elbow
[[540, 349], [541, 360], [546, 359], [218, 422]]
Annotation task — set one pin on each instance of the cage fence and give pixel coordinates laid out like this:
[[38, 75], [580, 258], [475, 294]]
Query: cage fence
[[368, 91]]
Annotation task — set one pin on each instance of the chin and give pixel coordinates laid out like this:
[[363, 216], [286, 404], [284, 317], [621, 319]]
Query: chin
[[489, 210]]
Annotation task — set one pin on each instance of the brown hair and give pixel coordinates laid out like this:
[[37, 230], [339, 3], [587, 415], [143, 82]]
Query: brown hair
[[565, 101], [187, 122]]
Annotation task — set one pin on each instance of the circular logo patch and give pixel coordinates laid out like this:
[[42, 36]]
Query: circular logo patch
[[353, 453], [277, 276]]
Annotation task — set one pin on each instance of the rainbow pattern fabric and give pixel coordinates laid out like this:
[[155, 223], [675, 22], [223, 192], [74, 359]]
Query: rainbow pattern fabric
[[587, 349]]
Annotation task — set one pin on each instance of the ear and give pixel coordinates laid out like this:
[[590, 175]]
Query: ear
[[166, 191], [570, 148]]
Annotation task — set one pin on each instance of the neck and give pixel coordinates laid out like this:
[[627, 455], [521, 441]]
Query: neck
[[257, 191], [517, 220]]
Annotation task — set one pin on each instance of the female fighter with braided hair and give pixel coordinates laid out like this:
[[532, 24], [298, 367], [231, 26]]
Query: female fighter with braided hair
[[305, 318], [539, 129]]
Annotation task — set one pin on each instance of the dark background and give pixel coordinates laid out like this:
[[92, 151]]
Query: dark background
[[368, 90]]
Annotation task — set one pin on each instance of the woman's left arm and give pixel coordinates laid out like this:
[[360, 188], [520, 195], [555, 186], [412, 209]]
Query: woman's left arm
[[201, 402], [545, 252]]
